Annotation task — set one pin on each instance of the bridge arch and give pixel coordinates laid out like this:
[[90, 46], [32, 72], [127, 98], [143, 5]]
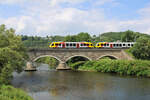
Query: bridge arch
[[46, 56], [78, 56], [110, 56]]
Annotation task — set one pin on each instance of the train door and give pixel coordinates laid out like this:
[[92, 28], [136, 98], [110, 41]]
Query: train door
[[77, 45], [63, 45], [111, 45]]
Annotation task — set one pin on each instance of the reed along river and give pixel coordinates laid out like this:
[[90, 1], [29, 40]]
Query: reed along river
[[46, 84]]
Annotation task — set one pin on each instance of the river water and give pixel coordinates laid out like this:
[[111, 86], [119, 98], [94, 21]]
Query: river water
[[46, 84]]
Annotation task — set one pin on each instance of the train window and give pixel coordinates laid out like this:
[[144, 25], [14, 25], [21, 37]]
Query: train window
[[120, 45], [132, 45], [67, 44], [114, 44], [84, 44], [104, 45], [117, 45], [70, 44], [53, 44], [74, 44], [97, 44], [128, 44], [81, 44], [123, 44], [101, 44], [87, 44], [107, 44], [59, 44], [56, 44]]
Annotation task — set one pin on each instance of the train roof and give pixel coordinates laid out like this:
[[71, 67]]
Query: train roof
[[115, 42], [72, 42]]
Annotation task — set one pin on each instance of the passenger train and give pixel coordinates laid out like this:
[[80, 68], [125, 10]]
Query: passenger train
[[90, 45], [71, 45]]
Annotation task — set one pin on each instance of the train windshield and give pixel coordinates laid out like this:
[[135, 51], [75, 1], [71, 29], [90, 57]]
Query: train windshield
[[52, 44]]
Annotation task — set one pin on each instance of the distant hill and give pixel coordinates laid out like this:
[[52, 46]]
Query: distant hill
[[112, 36], [119, 36]]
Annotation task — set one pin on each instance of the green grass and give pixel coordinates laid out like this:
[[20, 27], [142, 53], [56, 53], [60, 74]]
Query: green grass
[[11, 93]]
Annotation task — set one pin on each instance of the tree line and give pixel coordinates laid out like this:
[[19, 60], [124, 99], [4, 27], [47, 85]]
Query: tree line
[[127, 36]]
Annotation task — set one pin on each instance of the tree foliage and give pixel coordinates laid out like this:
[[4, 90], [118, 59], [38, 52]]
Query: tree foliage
[[70, 38], [129, 36], [78, 38], [83, 37], [12, 54], [141, 50]]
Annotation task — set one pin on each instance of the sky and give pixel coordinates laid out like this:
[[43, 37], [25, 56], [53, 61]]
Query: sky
[[66, 17]]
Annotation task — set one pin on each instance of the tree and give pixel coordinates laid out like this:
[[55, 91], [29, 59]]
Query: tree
[[128, 36], [141, 49], [12, 54], [70, 38], [111, 36], [83, 37]]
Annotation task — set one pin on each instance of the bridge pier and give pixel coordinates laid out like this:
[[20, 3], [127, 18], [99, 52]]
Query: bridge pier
[[62, 66], [30, 67]]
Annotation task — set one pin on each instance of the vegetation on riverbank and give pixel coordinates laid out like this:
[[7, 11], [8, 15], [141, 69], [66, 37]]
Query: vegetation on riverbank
[[123, 67], [11, 93]]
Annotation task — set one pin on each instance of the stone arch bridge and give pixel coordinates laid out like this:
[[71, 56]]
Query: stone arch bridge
[[63, 54]]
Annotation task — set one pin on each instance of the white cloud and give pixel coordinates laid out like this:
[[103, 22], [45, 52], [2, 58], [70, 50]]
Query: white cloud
[[145, 12], [58, 2], [11, 1], [101, 2], [141, 24], [50, 18]]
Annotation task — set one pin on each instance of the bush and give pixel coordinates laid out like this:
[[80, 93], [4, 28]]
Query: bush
[[124, 67], [11, 93], [77, 65], [141, 49]]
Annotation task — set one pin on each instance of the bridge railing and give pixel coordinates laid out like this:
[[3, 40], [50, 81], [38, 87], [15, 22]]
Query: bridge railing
[[36, 44]]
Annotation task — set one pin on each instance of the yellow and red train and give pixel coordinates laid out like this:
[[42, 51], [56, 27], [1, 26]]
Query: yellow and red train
[[71, 45], [90, 45]]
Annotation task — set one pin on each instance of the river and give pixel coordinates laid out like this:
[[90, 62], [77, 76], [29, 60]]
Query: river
[[46, 84]]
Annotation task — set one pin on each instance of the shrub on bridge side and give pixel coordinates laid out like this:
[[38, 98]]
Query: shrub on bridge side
[[124, 67], [10, 93]]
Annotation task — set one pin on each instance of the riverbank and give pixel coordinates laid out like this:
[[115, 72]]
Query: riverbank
[[123, 67], [11, 93]]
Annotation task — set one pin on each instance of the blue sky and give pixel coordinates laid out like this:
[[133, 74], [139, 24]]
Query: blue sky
[[63, 17]]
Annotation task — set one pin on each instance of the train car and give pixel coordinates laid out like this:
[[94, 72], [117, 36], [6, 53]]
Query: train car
[[102, 44], [114, 44], [71, 45]]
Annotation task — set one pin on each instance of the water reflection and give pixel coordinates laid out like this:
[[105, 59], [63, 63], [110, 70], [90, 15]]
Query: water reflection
[[46, 84]]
